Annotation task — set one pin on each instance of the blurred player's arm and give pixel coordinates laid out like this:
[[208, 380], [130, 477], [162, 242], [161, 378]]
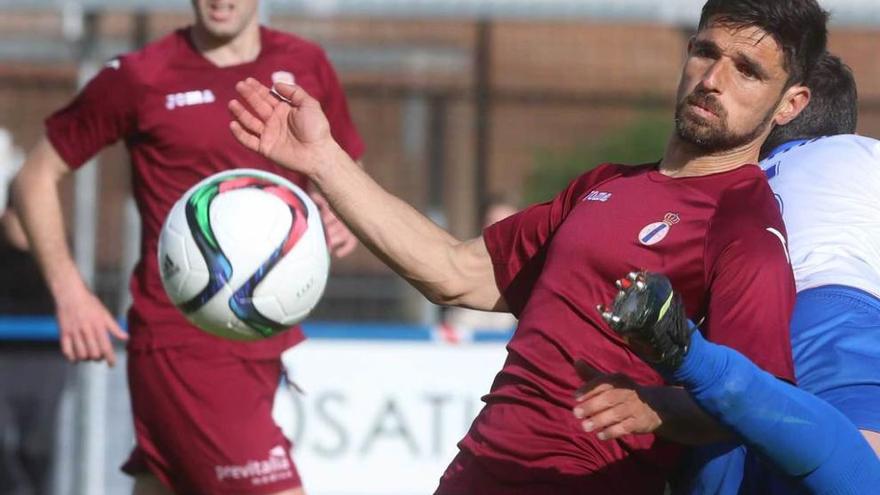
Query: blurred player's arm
[[83, 320], [13, 232], [295, 134]]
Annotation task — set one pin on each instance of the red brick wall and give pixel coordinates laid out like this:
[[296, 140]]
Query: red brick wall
[[554, 86]]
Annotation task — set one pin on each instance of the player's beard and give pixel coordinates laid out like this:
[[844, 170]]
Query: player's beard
[[712, 137]]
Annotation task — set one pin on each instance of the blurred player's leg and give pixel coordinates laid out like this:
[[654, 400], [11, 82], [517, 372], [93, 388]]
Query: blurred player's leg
[[204, 433]]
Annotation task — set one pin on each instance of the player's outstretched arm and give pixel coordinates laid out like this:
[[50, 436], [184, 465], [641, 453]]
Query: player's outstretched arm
[[84, 323], [288, 127]]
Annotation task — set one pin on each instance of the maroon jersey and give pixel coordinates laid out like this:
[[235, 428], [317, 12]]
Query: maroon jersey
[[168, 103], [717, 237]]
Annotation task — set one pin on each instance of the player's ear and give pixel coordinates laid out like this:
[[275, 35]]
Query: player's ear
[[793, 101]]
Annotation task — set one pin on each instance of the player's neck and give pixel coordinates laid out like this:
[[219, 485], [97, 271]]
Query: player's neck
[[226, 52], [683, 159]]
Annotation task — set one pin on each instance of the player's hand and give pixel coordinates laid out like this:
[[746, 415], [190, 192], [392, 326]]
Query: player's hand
[[613, 405], [285, 125], [85, 326], [340, 241]]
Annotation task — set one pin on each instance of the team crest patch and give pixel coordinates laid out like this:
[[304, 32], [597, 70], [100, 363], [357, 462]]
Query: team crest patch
[[282, 76], [657, 231]]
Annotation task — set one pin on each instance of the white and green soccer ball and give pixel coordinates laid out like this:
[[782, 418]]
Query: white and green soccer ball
[[242, 254]]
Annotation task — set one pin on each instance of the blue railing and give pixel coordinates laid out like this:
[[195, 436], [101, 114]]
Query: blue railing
[[20, 328]]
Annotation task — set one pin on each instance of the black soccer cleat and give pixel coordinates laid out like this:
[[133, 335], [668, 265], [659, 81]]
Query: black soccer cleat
[[650, 317]]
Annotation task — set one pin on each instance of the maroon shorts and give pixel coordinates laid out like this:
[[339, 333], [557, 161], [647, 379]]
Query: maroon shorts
[[203, 422]]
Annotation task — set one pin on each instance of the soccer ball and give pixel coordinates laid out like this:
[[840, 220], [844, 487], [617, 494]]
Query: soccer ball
[[242, 254]]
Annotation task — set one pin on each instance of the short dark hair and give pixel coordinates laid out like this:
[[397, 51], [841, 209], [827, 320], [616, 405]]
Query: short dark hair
[[799, 26], [833, 107]]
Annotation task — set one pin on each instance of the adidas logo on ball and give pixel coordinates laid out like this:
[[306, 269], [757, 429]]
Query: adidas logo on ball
[[169, 269], [243, 254]]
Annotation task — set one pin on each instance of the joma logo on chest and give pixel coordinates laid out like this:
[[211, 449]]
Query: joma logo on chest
[[189, 98], [597, 196]]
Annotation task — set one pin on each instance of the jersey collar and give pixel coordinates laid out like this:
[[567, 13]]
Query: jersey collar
[[782, 148]]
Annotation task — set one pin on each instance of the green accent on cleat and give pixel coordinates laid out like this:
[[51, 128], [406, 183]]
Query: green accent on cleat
[[650, 316], [665, 307]]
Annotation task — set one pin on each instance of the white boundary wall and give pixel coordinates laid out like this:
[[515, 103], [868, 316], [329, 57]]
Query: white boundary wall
[[381, 417]]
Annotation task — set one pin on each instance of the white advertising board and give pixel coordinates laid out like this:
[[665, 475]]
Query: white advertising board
[[381, 417]]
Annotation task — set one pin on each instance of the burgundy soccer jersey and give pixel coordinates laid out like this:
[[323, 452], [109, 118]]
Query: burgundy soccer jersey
[[168, 103], [719, 238]]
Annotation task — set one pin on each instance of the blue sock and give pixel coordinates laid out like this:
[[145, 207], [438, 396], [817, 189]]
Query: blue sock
[[798, 433]]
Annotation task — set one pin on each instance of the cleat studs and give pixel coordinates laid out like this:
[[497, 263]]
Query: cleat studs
[[607, 316], [632, 276], [619, 284], [615, 319], [640, 284]]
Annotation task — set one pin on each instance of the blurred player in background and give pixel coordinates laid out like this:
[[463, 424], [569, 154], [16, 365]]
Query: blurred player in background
[[202, 405], [32, 373], [700, 214], [826, 181]]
